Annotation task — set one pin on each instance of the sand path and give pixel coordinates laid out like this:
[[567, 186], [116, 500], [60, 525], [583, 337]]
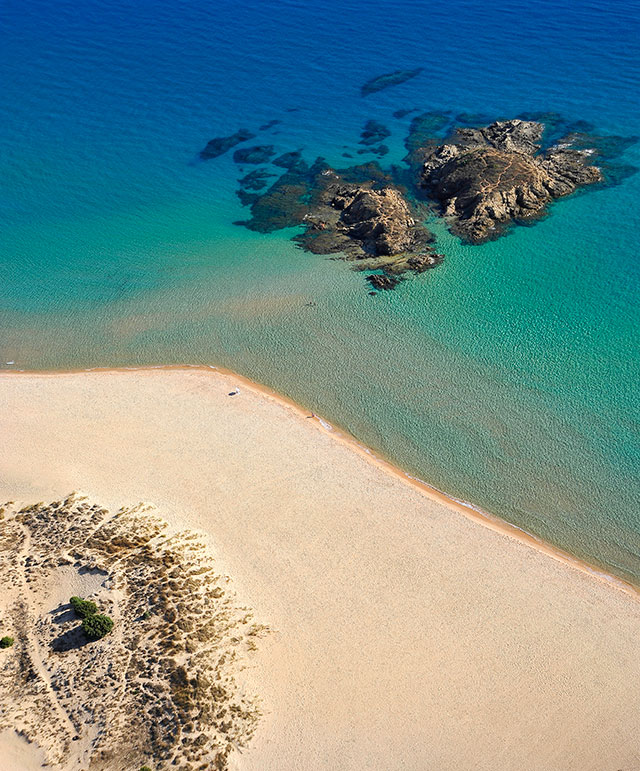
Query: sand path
[[409, 636]]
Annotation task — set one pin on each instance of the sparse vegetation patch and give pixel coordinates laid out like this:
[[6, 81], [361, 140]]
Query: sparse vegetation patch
[[169, 681]]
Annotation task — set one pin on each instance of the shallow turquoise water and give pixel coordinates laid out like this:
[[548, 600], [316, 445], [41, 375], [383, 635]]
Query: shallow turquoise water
[[506, 377]]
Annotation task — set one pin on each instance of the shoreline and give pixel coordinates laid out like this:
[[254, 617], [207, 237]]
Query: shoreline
[[469, 510], [400, 618]]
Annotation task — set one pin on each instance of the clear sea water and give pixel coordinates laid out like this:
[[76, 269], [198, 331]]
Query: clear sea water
[[507, 377]]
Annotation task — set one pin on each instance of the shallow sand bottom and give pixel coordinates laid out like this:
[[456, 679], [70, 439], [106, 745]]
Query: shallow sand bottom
[[408, 635]]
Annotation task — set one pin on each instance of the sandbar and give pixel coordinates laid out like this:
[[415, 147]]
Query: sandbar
[[409, 632]]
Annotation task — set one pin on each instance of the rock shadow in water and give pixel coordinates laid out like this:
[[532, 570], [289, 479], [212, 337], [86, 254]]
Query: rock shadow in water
[[387, 80]]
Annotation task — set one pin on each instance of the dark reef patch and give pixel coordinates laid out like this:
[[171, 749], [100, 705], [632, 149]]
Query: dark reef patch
[[473, 118], [379, 151], [256, 180], [220, 145], [290, 160], [269, 124], [254, 155], [246, 199], [388, 79], [404, 113], [373, 133], [425, 131], [382, 281]]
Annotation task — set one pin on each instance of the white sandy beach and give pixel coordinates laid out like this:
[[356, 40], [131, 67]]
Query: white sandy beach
[[409, 636]]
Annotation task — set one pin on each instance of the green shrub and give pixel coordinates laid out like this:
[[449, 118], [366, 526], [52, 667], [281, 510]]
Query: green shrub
[[145, 768], [97, 626], [83, 608], [6, 641]]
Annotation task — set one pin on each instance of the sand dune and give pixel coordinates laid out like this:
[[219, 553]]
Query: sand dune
[[409, 636]]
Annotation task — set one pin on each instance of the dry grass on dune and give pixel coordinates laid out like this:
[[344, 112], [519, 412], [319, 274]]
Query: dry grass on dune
[[165, 674]]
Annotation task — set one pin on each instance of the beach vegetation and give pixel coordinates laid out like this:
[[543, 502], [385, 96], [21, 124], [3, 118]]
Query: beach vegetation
[[6, 641], [83, 608], [96, 626]]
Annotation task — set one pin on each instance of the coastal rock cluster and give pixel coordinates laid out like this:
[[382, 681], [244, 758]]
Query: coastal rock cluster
[[485, 178], [479, 176], [358, 212], [160, 690]]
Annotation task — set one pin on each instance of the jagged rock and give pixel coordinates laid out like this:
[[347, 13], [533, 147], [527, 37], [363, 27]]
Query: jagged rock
[[387, 80], [486, 178], [380, 219], [421, 262], [221, 145]]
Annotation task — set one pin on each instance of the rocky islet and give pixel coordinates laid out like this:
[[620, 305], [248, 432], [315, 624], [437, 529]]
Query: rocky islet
[[480, 176], [487, 178]]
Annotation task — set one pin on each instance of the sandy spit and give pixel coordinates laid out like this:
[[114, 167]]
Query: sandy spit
[[410, 634]]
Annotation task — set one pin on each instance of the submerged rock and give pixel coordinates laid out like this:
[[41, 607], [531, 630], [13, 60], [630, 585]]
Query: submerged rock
[[270, 124], [486, 178], [404, 113], [379, 151], [383, 281], [254, 155], [290, 160], [246, 199], [373, 133], [221, 145], [387, 80], [256, 180], [358, 212], [425, 131]]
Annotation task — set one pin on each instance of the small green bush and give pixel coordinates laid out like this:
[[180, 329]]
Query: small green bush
[[97, 626], [83, 608], [145, 768], [6, 641]]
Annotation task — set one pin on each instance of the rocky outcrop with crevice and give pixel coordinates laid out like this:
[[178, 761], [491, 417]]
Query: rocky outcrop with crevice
[[486, 178]]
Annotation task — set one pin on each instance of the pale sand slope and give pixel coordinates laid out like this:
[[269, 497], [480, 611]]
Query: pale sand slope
[[409, 637]]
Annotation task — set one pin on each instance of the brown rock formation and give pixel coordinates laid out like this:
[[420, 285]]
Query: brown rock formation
[[486, 178], [380, 219]]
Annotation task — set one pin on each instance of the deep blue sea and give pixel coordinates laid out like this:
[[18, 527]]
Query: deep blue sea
[[507, 377]]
